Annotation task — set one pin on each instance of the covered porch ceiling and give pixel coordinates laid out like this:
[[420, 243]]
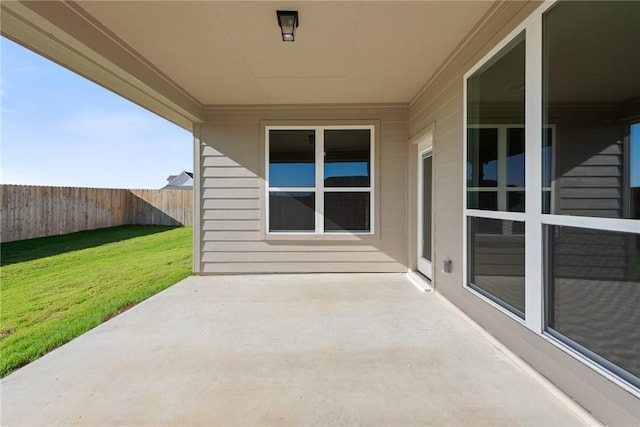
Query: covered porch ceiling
[[179, 58]]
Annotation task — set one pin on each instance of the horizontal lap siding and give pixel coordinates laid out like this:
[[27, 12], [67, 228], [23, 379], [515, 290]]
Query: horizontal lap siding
[[499, 255], [593, 185], [588, 254], [288, 247], [232, 192], [297, 256]]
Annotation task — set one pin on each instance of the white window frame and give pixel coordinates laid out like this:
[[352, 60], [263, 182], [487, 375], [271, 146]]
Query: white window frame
[[534, 219], [320, 190], [499, 215]]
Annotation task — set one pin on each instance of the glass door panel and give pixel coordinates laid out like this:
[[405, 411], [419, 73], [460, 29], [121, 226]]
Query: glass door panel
[[425, 213]]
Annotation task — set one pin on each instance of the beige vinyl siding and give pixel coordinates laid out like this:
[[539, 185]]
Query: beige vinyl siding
[[232, 191], [440, 106]]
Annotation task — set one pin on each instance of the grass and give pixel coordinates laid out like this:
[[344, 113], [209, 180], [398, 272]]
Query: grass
[[56, 288]]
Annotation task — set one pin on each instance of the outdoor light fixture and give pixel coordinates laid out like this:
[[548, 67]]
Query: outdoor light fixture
[[288, 22]]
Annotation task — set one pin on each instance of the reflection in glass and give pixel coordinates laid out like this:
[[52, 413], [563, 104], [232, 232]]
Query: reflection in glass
[[482, 154], [487, 200], [291, 211], [593, 293], [495, 120], [593, 112], [497, 261], [515, 157], [347, 211], [515, 201], [427, 174], [347, 158], [292, 158], [634, 168], [495, 92], [547, 170]]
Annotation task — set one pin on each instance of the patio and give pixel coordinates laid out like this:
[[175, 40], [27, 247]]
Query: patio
[[323, 349]]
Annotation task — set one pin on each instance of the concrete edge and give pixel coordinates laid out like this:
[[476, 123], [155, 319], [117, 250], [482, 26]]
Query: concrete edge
[[550, 387], [419, 281]]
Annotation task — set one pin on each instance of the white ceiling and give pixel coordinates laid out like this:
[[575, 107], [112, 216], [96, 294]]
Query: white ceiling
[[230, 52]]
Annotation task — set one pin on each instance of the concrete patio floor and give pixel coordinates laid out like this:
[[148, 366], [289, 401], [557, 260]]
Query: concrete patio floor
[[327, 349]]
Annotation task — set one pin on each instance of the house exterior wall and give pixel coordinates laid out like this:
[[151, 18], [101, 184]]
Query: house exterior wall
[[231, 234], [439, 107]]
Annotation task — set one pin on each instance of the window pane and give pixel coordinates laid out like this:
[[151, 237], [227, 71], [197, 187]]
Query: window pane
[[495, 117], [427, 203], [547, 168], [634, 168], [289, 211], [593, 293], [515, 201], [592, 94], [482, 154], [348, 211], [347, 158], [515, 157], [292, 158], [496, 261], [487, 200]]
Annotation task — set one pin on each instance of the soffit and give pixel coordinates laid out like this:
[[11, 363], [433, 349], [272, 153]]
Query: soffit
[[230, 53]]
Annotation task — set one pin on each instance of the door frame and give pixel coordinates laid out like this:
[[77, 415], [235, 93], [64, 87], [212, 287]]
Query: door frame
[[425, 146]]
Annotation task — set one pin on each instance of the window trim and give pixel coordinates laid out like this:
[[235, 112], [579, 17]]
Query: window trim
[[535, 220], [320, 190]]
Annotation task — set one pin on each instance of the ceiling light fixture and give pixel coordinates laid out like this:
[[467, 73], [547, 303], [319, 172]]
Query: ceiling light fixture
[[288, 22]]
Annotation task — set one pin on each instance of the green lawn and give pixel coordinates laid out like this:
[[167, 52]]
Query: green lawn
[[55, 288]]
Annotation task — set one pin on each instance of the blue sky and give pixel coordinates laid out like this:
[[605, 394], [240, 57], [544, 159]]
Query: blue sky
[[58, 128]]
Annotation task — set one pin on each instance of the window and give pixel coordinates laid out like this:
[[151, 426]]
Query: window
[[593, 294], [552, 128], [595, 112], [592, 236], [495, 183], [320, 179], [496, 251]]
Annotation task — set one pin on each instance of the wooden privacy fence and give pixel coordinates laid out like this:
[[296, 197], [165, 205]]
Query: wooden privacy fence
[[32, 211]]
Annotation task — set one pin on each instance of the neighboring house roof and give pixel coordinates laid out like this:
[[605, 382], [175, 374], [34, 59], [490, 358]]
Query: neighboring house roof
[[182, 181]]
